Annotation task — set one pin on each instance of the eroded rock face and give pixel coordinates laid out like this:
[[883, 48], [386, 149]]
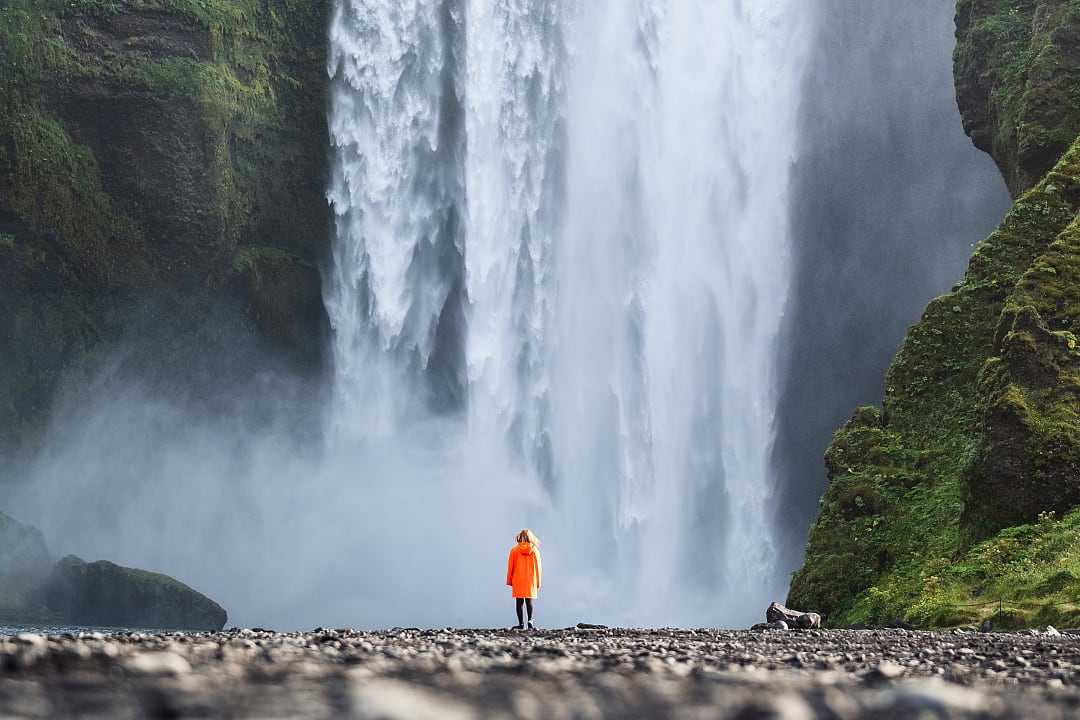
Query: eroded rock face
[[977, 434], [975, 453], [108, 595], [1017, 69], [143, 148]]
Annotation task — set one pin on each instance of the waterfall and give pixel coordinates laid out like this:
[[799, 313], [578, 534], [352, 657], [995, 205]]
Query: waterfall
[[560, 265]]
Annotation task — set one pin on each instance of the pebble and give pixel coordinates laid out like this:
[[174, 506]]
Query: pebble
[[591, 671], [157, 664]]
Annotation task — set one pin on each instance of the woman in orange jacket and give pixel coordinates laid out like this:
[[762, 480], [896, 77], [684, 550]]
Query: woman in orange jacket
[[523, 571]]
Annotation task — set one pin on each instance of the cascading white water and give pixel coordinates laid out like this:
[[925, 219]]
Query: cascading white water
[[561, 258]]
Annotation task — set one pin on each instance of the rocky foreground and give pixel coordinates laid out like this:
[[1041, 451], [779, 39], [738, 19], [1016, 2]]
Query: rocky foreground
[[579, 672]]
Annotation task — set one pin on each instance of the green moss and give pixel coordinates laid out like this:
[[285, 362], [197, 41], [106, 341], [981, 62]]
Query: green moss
[[983, 387], [1025, 575], [55, 185], [135, 166], [1018, 81]]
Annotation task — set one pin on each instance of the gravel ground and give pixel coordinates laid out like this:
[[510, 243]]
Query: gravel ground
[[573, 673]]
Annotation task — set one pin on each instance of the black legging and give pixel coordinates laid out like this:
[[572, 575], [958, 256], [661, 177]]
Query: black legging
[[527, 602]]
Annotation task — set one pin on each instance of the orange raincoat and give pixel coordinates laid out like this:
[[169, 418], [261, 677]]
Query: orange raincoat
[[523, 570]]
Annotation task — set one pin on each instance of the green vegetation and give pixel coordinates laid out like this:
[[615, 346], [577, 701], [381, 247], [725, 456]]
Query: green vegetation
[[1026, 575], [942, 507], [1018, 80], [142, 143], [979, 433]]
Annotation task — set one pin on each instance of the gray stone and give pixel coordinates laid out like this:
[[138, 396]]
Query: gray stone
[[559, 673], [157, 664]]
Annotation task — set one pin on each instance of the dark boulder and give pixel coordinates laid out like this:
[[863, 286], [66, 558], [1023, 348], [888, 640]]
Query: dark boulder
[[105, 594]]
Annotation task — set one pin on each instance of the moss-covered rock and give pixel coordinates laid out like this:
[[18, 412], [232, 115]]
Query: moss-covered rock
[[979, 436], [979, 432], [283, 294], [34, 590], [143, 145], [1018, 82], [108, 595]]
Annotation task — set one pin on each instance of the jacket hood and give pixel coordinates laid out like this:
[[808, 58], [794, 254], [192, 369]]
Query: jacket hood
[[524, 548]]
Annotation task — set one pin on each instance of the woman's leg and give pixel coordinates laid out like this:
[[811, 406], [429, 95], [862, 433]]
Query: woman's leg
[[528, 606], [518, 602]]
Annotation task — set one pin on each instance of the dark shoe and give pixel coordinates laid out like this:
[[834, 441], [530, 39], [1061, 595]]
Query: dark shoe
[[532, 625], [518, 627]]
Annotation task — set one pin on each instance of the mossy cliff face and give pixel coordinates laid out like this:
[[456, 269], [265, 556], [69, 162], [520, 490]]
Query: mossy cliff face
[[1018, 82], [956, 500], [155, 152]]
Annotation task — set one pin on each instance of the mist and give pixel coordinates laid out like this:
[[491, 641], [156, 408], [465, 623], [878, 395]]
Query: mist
[[889, 198], [611, 273]]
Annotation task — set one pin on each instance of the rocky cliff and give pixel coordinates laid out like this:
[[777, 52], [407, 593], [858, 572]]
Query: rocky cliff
[[160, 160], [957, 500], [1018, 82]]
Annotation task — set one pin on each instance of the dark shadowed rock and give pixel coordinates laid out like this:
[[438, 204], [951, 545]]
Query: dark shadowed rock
[[24, 563], [103, 593], [22, 549], [792, 618]]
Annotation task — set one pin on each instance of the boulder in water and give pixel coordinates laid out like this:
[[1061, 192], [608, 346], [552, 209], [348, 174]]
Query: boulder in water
[[109, 595]]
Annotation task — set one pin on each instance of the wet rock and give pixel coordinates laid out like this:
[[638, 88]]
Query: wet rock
[[105, 594]]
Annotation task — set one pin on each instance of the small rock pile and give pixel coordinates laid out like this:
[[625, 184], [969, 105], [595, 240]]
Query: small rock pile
[[587, 671], [778, 617]]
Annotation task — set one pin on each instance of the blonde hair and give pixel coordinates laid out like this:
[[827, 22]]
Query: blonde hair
[[526, 535]]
